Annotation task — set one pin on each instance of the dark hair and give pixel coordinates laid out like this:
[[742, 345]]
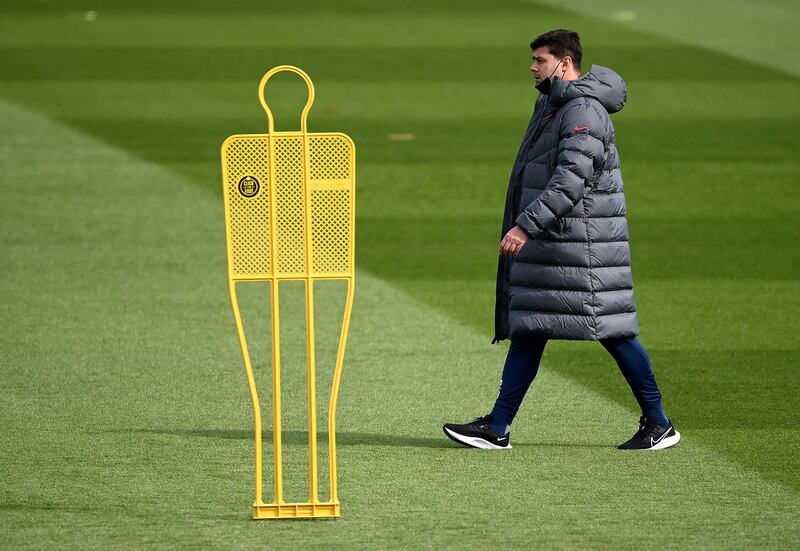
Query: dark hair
[[561, 43]]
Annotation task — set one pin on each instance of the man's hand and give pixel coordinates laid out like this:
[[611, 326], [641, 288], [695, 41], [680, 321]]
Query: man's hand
[[513, 241]]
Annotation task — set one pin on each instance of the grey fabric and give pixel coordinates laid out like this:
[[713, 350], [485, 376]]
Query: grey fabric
[[572, 279]]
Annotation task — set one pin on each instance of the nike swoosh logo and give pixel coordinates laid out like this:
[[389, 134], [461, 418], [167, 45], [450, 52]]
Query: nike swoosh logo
[[579, 128], [654, 442]]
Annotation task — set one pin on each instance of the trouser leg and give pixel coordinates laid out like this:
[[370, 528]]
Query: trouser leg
[[522, 364], [634, 363]]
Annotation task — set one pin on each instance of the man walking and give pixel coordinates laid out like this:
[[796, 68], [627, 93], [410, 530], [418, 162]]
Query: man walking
[[564, 269]]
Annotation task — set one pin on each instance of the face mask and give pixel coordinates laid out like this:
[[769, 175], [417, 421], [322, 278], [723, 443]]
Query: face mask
[[546, 84]]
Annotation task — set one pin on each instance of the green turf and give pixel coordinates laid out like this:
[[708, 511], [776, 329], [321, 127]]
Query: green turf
[[760, 32], [125, 417]]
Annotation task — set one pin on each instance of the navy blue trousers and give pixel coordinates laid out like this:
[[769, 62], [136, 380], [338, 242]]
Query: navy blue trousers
[[522, 364]]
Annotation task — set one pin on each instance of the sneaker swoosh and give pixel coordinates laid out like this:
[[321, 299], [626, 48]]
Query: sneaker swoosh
[[654, 442]]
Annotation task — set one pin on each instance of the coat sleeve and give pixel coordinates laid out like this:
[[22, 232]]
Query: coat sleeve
[[580, 150]]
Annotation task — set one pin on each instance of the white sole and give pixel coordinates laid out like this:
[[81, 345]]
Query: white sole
[[667, 442], [475, 442]]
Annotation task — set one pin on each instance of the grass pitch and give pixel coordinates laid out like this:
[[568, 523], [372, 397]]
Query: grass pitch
[[125, 419]]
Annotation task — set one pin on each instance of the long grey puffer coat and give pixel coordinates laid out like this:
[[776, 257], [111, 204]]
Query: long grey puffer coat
[[572, 279]]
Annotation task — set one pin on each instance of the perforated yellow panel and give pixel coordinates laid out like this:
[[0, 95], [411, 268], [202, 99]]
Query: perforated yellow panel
[[329, 187], [331, 205], [248, 227], [330, 158], [330, 228], [290, 205]]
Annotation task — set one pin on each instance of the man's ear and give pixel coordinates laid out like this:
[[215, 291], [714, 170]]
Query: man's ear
[[566, 63]]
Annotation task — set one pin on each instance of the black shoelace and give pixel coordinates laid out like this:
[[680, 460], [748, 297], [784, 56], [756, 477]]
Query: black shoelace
[[647, 430], [480, 421]]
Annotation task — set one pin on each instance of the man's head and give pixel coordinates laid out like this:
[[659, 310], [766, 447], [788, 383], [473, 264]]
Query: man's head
[[557, 53]]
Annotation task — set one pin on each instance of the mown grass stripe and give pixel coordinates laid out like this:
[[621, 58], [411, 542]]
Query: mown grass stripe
[[413, 29], [361, 64], [464, 141], [310, 7], [336, 102]]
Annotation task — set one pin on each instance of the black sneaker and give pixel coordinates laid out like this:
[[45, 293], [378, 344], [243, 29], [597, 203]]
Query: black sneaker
[[652, 437], [477, 434]]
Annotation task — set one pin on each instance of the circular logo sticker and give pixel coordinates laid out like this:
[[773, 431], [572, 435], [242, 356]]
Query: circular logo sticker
[[248, 186]]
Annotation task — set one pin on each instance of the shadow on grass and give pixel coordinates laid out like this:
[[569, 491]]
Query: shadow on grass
[[300, 438]]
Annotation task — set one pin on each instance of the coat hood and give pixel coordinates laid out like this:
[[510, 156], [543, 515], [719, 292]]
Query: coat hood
[[600, 83]]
